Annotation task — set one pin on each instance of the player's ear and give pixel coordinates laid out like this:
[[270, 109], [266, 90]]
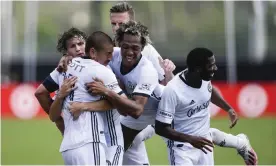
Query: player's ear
[[93, 53]]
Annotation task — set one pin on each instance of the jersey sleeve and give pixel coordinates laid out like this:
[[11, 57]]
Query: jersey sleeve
[[148, 81], [153, 57], [51, 82], [109, 79], [167, 105]]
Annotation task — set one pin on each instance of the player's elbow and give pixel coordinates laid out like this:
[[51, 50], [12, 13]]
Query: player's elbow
[[53, 118], [40, 91], [137, 113]]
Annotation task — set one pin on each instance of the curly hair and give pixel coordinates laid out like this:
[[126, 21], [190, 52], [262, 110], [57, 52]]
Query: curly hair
[[67, 35], [133, 28]]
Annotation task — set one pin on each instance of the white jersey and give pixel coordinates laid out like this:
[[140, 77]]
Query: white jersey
[[142, 80], [89, 127], [152, 55], [186, 108]]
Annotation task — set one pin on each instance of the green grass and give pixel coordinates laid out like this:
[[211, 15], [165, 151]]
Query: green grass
[[38, 141]]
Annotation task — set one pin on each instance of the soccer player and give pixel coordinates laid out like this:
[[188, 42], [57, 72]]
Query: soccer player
[[183, 115], [121, 13], [72, 44]]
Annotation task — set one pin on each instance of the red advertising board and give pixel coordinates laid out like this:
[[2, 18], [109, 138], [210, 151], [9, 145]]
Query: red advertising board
[[250, 100]]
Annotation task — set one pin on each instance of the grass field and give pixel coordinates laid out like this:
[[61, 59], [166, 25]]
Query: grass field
[[38, 141]]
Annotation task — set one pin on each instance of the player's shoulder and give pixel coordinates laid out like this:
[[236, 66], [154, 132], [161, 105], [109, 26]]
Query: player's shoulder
[[149, 51], [176, 83], [116, 52], [148, 47], [146, 65]]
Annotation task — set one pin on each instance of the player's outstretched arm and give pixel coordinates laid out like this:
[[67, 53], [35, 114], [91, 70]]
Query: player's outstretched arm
[[218, 100], [65, 89], [165, 130]]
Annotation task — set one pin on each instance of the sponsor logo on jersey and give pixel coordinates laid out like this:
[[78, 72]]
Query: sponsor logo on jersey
[[131, 85], [197, 109]]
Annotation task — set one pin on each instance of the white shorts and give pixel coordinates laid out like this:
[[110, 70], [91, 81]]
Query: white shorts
[[115, 155], [136, 155], [186, 154], [89, 154]]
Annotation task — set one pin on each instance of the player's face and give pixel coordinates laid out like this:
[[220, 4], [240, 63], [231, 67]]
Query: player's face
[[76, 47], [131, 48], [210, 69], [104, 56], [116, 19]]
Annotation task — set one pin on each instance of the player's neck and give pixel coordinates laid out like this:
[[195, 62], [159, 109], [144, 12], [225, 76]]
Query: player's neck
[[86, 57], [192, 79]]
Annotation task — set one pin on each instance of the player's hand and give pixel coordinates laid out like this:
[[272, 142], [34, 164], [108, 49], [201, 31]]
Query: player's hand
[[76, 109], [167, 65], [63, 63], [96, 87], [201, 143], [233, 117], [67, 86]]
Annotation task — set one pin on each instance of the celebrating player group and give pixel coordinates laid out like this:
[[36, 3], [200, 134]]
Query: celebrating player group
[[112, 94]]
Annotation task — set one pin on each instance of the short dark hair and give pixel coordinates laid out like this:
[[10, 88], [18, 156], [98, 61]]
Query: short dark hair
[[96, 40], [133, 28], [122, 7], [198, 57], [67, 35]]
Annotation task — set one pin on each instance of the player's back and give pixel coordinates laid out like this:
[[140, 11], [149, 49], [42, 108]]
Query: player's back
[[89, 127]]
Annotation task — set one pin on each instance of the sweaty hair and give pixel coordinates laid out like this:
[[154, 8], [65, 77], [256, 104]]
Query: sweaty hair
[[198, 57], [123, 7], [97, 40], [133, 28], [67, 35]]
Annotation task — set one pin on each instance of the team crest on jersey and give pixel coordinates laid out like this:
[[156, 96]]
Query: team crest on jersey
[[145, 87], [130, 85], [210, 87]]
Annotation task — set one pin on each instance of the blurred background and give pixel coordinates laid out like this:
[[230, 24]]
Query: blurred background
[[242, 36]]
